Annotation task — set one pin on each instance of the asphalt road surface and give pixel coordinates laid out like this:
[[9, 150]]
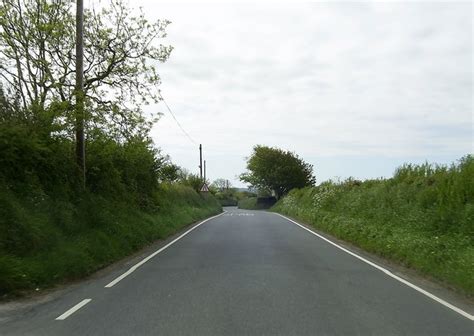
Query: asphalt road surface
[[243, 273]]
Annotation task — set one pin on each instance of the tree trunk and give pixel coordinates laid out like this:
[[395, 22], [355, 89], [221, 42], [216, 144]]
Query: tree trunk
[[80, 142]]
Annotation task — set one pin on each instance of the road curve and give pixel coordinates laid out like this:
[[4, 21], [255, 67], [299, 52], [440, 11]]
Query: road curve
[[243, 273]]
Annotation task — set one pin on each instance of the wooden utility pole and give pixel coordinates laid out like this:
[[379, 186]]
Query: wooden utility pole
[[80, 142], [200, 161]]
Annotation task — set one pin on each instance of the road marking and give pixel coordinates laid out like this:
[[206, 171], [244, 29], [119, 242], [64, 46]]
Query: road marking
[[390, 274], [73, 309], [239, 214], [134, 267]]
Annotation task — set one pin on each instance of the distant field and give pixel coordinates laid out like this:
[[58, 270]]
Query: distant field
[[422, 217]]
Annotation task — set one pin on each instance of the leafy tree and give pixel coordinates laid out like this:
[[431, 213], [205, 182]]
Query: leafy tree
[[221, 184], [5, 108], [169, 172], [277, 170], [120, 75]]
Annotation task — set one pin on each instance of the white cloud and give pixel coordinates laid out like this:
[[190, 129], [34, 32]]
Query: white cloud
[[325, 80]]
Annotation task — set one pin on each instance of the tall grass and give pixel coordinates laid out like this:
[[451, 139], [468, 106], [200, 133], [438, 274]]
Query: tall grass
[[422, 217], [46, 241]]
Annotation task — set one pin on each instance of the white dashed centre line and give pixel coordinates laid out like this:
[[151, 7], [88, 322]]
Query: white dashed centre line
[[73, 309]]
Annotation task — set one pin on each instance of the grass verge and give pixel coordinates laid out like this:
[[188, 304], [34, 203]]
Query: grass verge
[[423, 218], [48, 241]]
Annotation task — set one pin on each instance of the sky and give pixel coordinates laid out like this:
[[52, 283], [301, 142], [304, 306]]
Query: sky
[[356, 89]]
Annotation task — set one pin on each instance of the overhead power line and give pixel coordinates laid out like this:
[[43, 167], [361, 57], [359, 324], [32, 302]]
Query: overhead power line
[[176, 120]]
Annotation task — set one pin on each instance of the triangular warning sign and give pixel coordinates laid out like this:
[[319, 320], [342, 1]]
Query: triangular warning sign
[[204, 188]]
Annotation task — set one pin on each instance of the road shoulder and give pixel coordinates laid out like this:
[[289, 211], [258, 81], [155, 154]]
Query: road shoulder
[[411, 275], [14, 308]]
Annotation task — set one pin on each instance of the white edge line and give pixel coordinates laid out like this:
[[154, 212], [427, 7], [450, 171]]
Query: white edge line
[[73, 309], [134, 267], [390, 274]]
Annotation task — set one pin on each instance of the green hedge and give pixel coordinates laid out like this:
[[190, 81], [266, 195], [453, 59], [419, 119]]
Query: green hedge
[[423, 217], [53, 230], [48, 241]]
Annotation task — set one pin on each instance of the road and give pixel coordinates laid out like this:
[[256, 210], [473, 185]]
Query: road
[[243, 273]]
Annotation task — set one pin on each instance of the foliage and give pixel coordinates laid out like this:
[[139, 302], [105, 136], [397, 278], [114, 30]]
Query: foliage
[[256, 203], [423, 217], [46, 240], [6, 110], [37, 63], [125, 169], [169, 172], [249, 203], [221, 184], [51, 230], [227, 197], [226, 194], [191, 180], [277, 170]]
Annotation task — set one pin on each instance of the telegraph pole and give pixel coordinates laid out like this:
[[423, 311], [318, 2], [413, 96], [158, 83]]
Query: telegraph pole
[[80, 143], [200, 161]]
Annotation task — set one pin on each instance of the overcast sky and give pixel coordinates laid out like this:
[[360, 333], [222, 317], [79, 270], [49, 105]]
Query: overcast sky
[[356, 89]]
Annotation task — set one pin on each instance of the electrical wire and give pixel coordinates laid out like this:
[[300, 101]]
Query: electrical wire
[[177, 122]]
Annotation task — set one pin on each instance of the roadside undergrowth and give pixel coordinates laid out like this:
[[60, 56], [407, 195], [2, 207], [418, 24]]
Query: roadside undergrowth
[[51, 241], [53, 230], [422, 217]]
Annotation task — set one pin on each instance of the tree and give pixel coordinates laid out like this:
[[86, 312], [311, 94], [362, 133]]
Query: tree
[[221, 184], [79, 92], [169, 171], [5, 109], [37, 61], [277, 170]]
